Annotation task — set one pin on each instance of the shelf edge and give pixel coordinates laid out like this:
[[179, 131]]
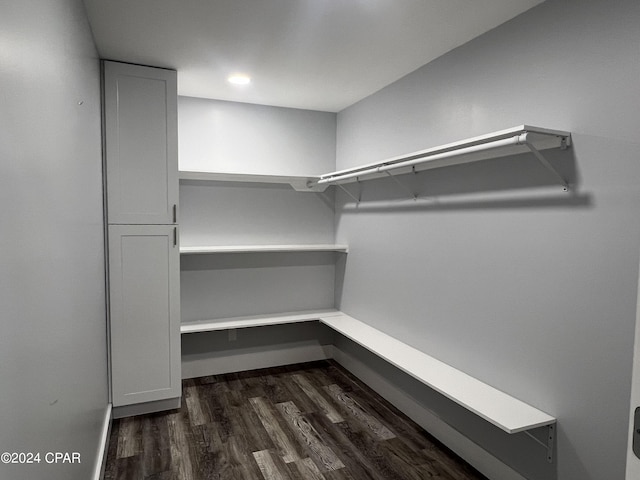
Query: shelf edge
[[255, 321], [215, 249]]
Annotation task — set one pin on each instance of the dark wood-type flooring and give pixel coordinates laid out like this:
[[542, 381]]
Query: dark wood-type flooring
[[310, 421]]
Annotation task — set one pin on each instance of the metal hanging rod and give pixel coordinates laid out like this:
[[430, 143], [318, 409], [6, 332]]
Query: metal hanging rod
[[525, 137]]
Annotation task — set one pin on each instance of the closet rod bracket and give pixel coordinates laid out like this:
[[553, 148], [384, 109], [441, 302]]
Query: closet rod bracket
[[550, 441], [404, 187], [344, 189], [545, 163]]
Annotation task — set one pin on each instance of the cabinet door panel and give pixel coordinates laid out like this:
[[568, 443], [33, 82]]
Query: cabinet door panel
[[144, 303], [140, 108]]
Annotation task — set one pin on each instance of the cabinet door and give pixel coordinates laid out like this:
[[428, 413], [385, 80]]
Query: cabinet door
[[144, 276], [141, 143]]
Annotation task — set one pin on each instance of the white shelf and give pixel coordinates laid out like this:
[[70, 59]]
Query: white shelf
[[298, 183], [512, 141], [500, 409], [208, 249], [496, 407], [255, 321]]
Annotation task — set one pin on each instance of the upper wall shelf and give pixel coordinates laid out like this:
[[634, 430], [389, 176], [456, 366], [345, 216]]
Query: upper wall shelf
[[520, 139], [513, 141], [263, 249], [298, 183]]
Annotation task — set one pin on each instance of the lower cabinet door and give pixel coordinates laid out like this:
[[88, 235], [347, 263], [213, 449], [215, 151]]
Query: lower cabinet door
[[144, 298]]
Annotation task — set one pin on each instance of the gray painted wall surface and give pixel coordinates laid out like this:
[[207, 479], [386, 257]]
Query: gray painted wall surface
[[236, 137], [501, 275], [232, 285], [213, 353], [53, 360], [217, 213]]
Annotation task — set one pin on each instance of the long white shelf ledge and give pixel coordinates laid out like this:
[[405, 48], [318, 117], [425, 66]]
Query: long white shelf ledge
[[207, 249], [520, 139], [255, 321], [512, 141], [500, 409], [298, 183], [496, 407]]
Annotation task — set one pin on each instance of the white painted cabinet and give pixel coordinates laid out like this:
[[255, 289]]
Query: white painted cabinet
[[141, 144], [141, 179], [144, 271]]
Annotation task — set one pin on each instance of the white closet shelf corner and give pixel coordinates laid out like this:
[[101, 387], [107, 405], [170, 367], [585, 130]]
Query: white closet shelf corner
[[496, 407]]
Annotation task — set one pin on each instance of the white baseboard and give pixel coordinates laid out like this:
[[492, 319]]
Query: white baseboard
[[479, 458], [101, 456]]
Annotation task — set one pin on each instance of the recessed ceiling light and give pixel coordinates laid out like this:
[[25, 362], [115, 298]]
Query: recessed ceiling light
[[239, 79]]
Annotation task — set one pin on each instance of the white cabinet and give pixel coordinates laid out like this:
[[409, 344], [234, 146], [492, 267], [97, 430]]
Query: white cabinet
[[144, 271], [141, 144], [141, 179]]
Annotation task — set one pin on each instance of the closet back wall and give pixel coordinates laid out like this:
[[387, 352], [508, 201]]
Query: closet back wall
[[537, 296], [234, 137], [230, 137]]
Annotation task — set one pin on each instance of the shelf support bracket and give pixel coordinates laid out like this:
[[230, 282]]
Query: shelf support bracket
[[402, 185], [545, 163], [550, 441], [348, 192]]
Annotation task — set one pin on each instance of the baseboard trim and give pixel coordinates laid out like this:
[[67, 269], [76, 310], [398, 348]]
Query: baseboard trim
[[479, 458], [101, 457]]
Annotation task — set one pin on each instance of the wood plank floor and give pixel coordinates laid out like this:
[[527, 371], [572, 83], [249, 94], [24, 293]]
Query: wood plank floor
[[310, 421]]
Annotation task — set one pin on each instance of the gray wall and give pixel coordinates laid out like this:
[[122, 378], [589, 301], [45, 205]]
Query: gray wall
[[216, 286], [232, 285], [493, 270], [243, 138], [53, 360], [219, 352]]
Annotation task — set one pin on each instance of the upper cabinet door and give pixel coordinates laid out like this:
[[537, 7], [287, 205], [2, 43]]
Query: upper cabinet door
[[141, 144]]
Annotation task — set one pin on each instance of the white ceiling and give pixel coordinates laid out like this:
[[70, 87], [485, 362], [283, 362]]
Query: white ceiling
[[311, 54]]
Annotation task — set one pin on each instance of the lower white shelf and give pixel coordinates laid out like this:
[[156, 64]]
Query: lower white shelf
[[256, 321], [500, 409], [496, 407]]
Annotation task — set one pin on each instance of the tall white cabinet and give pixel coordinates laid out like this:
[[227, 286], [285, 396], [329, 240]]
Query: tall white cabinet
[[141, 179]]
